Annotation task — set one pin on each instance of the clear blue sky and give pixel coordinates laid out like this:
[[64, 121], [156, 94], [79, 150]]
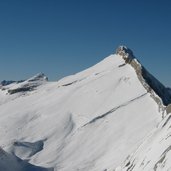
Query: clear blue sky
[[61, 37]]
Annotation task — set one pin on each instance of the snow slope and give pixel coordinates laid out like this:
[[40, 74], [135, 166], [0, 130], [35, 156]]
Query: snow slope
[[154, 153], [90, 121]]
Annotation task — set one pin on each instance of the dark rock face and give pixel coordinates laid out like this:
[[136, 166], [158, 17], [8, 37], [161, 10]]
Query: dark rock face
[[168, 109], [126, 53], [22, 89], [5, 82], [27, 85], [157, 86], [38, 77], [150, 83]]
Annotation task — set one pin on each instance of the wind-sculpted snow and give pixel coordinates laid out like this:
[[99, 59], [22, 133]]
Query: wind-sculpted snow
[[89, 121], [27, 149], [155, 152], [9, 162]]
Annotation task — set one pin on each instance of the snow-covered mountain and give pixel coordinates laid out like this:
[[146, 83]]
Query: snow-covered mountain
[[94, 120]]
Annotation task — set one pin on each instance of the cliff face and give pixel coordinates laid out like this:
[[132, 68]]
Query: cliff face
[[158, 91]]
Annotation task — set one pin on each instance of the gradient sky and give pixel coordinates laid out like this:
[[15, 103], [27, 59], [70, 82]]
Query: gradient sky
[[61, 37]]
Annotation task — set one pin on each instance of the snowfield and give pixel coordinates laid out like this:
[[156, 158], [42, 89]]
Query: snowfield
[[90, 121]]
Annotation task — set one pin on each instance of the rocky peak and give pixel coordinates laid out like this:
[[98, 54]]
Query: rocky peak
[[38, 77], [126, 53], [27, 85], [158, 91]]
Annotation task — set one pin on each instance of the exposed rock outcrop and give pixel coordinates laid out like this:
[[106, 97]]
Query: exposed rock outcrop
[[168, 109], [38, 77], [13, 87], [5, 82], [157, 90]]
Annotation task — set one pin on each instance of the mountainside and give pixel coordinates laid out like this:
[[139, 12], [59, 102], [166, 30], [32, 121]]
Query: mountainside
[[90, 121], [154, 153]]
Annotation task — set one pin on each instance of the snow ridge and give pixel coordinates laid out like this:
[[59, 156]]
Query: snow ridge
[[158, 91], [13, 87], [154, 153]]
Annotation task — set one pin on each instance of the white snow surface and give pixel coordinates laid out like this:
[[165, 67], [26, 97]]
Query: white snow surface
[[154, 154], [90, 121]]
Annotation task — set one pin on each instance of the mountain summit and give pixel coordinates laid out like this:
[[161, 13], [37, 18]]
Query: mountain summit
[[94, 120], [125, 52], [158, 91]]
